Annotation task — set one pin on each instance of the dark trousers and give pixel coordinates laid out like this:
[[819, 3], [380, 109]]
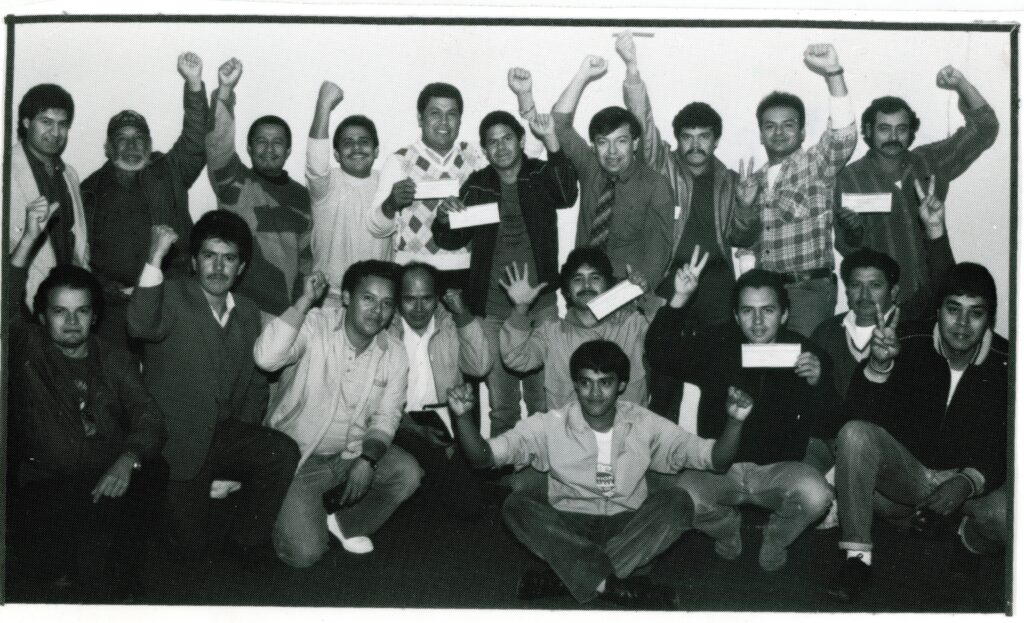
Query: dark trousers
[[58, 530], [262, 459], [585, 549], [450, 486]]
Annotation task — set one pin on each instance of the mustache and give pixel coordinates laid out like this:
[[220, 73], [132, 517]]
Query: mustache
[[696, 151], [586, 291], [892, 144]]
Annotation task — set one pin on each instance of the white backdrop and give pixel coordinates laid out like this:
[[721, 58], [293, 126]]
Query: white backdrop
[[108, 67]]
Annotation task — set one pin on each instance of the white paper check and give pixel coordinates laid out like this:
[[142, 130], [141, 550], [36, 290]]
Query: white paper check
[[868, 202], [614, 298], [770, 355], [483, 214], [436, 189]]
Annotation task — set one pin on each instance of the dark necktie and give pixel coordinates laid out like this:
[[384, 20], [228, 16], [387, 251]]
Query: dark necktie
[[603, 214]]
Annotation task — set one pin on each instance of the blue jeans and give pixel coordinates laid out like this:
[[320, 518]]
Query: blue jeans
[[503, 384], [300, 535], [796, 492], [875, 473], [585, 549]]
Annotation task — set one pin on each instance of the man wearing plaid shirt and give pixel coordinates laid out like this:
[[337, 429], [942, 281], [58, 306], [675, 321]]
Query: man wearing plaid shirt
[[889, 170], [793, 193]]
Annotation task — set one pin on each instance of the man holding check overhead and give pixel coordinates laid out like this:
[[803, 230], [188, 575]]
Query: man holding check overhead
[[789, 381], [522, 195]]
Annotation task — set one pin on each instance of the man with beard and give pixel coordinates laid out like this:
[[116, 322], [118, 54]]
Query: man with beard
[[625, 205], [927, 439], [528, 193], [793, 193], [137, 189], [38, 173], [86, 437], [435, 156], [340, 398], [342, 197], [587, 272], [890, 167], [199, 367], [705, 194], [275, 207]]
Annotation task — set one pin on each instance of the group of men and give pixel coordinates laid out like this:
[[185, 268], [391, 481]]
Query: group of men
[[308, 351]]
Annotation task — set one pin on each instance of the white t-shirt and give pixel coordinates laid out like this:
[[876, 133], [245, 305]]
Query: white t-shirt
[[605, 477]]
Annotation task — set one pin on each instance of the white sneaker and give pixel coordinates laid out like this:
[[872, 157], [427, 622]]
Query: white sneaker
[[354, 545], [831, 520]]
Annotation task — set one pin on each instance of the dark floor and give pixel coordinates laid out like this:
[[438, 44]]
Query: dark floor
[[426, 561]]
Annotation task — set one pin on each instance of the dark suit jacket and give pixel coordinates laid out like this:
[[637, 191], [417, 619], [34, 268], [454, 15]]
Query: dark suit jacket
[[181, 336]]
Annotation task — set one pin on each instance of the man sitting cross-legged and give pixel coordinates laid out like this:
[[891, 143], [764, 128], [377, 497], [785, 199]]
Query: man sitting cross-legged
[[598, 524]]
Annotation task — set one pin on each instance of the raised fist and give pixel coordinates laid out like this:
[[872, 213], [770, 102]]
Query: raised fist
[[161, 238], [626, 47], [37, 215], [593, 67], [229, 73], [821, 58], [330, 95], [314, 286], [461, 400], [738, 404], [520, 80], [190, 66], [949, 77]]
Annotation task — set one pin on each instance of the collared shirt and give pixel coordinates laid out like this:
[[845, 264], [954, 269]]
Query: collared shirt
[[153, 276], [795, 199], [421, 389], [898, 233], [353, 377], [640, 232], [561, 443]]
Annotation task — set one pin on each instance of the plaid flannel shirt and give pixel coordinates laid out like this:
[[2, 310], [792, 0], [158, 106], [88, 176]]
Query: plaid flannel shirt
[[796, 213]]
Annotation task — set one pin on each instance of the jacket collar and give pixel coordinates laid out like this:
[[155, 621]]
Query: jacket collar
[[983, 348], [626, 414]]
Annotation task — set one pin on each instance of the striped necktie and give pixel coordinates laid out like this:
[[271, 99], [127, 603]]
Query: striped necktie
[[603, 214]]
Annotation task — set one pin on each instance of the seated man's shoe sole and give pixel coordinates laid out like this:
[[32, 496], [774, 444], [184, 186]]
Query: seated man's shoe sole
[[851, 580], [540, 583], [352, 545], [640, 592]]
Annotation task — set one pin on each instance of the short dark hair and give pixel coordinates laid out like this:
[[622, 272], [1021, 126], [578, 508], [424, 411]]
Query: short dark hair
[[760, 278], [607, 120], [781, 99], [73, 278], [590, 256], [697, 115], [41, 98], [870, 258], [270, 120], [499, 117], [222, 225], [601, 356], [438, 89], [435, 274], [969, 279], [360, 121], [889, 105], [359, 271]]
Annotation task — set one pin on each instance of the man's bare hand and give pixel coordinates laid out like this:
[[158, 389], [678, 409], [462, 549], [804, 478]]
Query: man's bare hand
[[161, 239], [330, 95], [821, 58]]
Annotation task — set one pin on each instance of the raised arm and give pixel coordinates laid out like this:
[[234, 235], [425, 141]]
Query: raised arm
[[821, 58], [592, 68], [224, 166], [840, 139], [188, 155], [474, 353], [634, 95], [318, 148], [146, 315], [283, 340], [523, 348]]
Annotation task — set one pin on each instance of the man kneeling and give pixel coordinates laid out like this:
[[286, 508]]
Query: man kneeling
[[598, 523]]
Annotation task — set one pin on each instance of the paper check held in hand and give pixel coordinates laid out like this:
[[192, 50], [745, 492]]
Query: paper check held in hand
[[614, 298], [436, 189], [770, 355]]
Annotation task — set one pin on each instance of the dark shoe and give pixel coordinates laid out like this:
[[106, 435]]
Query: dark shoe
[[851, 580], [639, 592], [540, 582]]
